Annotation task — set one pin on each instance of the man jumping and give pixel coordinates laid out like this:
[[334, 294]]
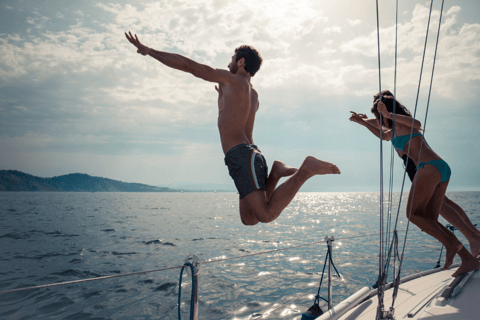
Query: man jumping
[[237, 106]]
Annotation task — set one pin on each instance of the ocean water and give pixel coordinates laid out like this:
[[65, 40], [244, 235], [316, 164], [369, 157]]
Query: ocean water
[[49, 238]]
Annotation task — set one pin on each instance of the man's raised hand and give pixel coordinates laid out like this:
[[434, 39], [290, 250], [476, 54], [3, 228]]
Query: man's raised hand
[[143, 50]]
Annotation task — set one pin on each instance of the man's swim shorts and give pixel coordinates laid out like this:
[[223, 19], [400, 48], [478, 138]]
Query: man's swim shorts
[[247, 167]]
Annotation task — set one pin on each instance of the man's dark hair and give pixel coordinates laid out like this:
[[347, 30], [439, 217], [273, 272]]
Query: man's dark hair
[[391, 103], [253, 59]]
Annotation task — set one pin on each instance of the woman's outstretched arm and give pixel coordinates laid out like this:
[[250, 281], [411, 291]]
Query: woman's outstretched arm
[[372, 125]]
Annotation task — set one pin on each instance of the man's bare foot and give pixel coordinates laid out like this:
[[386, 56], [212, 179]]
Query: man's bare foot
[[467, 266], [475, 247], [313, 166], [451, 252], [280, 169]]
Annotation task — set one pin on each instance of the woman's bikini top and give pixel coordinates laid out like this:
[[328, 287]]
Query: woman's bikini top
[[399, 142]]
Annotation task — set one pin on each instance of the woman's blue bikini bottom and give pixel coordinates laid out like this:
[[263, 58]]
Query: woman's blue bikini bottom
[[441, 166]]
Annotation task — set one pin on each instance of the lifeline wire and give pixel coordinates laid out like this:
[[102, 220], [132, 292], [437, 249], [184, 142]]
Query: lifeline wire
[[170, 268]]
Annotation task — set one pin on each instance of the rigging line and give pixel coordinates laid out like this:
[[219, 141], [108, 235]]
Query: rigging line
[[392, 157], [390, 196], [411, 133], [413, 119], [392, 154], [428, 103], [380, 255], [381, 162], [433, 67], [408, 153]]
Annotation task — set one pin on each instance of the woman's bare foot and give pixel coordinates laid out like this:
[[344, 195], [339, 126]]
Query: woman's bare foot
[[467, 266], [280, 169], [451, 252], [314, 166]]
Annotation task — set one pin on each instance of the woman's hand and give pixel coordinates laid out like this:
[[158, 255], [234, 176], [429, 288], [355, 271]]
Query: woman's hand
[[382, 109], [358, 118]]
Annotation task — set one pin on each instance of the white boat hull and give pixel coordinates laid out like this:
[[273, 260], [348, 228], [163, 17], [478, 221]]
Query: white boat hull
[[428, 295]]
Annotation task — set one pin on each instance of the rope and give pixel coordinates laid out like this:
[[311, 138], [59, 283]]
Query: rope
[[329, 257]]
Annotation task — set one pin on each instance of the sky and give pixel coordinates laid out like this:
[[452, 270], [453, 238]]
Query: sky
[[75, 97]]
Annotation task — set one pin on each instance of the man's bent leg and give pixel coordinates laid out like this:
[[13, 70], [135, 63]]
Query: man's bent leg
[[246, 215], [267, 210], [279, 170]]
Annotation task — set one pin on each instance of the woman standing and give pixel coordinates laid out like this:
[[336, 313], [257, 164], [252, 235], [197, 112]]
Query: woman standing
[[433, 174]]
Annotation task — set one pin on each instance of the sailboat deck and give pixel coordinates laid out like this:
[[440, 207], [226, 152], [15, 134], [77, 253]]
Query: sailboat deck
[[424, 298]]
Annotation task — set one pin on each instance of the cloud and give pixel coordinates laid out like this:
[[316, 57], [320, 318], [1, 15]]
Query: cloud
[[355, 22], [411, 35], [332, 29], [457, 52], [206, 28], [83, 88], [203, 30], [38, 21]]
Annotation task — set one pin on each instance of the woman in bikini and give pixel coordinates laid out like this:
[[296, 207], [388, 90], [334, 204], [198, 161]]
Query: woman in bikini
[[433, 174]]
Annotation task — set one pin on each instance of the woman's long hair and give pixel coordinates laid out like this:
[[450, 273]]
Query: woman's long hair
[[389, 101]]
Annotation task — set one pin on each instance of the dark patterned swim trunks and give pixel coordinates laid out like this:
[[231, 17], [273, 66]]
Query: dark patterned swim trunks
[[247, 167]]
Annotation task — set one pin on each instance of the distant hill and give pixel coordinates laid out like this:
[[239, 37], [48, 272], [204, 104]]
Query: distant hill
[[12, 180], [201, 187]]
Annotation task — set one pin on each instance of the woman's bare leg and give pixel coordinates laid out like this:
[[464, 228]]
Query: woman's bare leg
[[455, 215], [423, 208]]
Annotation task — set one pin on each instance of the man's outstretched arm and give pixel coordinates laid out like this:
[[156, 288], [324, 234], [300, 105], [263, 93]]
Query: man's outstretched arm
[[181, 63]]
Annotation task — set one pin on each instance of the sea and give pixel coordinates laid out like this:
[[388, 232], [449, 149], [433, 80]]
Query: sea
[[269, 271]]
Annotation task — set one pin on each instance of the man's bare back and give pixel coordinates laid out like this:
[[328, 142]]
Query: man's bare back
[[260, 200]]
